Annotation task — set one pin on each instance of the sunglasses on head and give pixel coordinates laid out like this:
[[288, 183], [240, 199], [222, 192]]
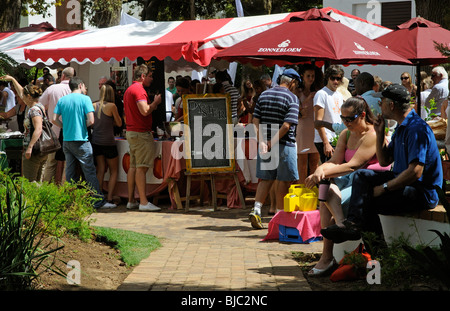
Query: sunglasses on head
[[335, 78], [349, 119], [27, 90], [404, 78]]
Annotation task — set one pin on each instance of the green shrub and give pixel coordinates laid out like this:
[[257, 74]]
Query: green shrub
[[66, 208], [21, 237]]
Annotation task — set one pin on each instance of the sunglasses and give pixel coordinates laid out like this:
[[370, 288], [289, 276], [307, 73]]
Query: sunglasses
[[404, 78], [336, 78], [349, 119], [27, 90]]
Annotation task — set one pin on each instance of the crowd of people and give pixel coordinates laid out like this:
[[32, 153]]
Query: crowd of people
[[362, 134]]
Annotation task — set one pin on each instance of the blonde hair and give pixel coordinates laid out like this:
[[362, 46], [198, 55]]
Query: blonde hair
[[140, 70], [32, 90], [106, 95], [427, 83], [410, 78]]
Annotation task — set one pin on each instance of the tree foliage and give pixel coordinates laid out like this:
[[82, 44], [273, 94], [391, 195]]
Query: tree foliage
[[167, 10], [104, 13]]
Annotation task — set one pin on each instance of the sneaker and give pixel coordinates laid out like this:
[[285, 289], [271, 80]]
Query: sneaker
[[255, 219], [133, 205], [108, 205], [149, 207]]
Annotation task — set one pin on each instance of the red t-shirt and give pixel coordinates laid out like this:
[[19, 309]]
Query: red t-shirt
[[135, 121]]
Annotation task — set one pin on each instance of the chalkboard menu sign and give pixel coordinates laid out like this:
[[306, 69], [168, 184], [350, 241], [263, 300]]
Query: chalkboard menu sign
[[209, 139]]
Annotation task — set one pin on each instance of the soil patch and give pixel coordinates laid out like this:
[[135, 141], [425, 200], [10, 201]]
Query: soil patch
[[100, 267]]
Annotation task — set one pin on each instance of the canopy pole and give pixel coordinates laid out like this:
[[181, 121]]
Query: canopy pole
[[206, 82]]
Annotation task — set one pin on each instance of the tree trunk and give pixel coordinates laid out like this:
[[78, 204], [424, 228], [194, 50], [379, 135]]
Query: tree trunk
[[10, 16], [192, 9], [151, 9], [104, 19], [268, 6]]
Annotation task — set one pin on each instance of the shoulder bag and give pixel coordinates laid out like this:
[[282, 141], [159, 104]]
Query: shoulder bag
[[47, 142]]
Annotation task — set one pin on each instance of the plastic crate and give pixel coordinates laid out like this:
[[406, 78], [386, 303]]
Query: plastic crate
[[288, 234]]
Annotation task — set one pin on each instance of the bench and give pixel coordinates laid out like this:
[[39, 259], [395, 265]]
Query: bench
[[416, 226]]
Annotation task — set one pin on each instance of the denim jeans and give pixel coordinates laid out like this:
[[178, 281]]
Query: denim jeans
[[81, 151], [364, 208]]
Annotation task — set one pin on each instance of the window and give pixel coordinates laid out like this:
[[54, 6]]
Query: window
[[395, 13]]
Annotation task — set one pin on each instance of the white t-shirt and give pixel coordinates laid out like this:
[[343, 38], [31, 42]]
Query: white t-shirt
[[331, 102], [169, 106]]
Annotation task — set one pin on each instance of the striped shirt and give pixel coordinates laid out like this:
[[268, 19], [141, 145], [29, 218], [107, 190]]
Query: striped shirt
[[276, 106], [234, 97]]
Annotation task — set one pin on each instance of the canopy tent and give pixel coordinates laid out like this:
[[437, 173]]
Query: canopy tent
[[415, 40], [311, 35], [194, 41], [19, 39]]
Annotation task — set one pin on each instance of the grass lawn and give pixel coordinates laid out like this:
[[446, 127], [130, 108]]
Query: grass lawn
[[133, 246]]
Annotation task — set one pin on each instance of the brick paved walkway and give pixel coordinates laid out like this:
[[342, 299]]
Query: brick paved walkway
[[207, 250]]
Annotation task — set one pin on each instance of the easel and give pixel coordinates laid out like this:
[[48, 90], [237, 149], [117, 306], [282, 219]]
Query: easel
[[212, 177], [209, 109]]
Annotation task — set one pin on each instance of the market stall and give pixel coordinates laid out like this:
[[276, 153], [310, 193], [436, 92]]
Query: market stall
[[192, 43]]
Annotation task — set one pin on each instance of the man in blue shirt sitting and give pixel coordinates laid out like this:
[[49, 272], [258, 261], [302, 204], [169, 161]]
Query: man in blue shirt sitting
[[409, 187]]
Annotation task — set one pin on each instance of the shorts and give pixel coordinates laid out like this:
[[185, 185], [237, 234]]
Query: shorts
[[282, 166], [109, 152], [344, 184], [142, 149]]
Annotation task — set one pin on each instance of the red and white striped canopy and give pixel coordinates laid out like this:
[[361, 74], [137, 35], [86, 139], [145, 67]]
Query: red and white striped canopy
[[13, 43], [194, 40]]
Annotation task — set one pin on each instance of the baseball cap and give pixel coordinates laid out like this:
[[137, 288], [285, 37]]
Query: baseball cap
[[291, 73], [395, 92]]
